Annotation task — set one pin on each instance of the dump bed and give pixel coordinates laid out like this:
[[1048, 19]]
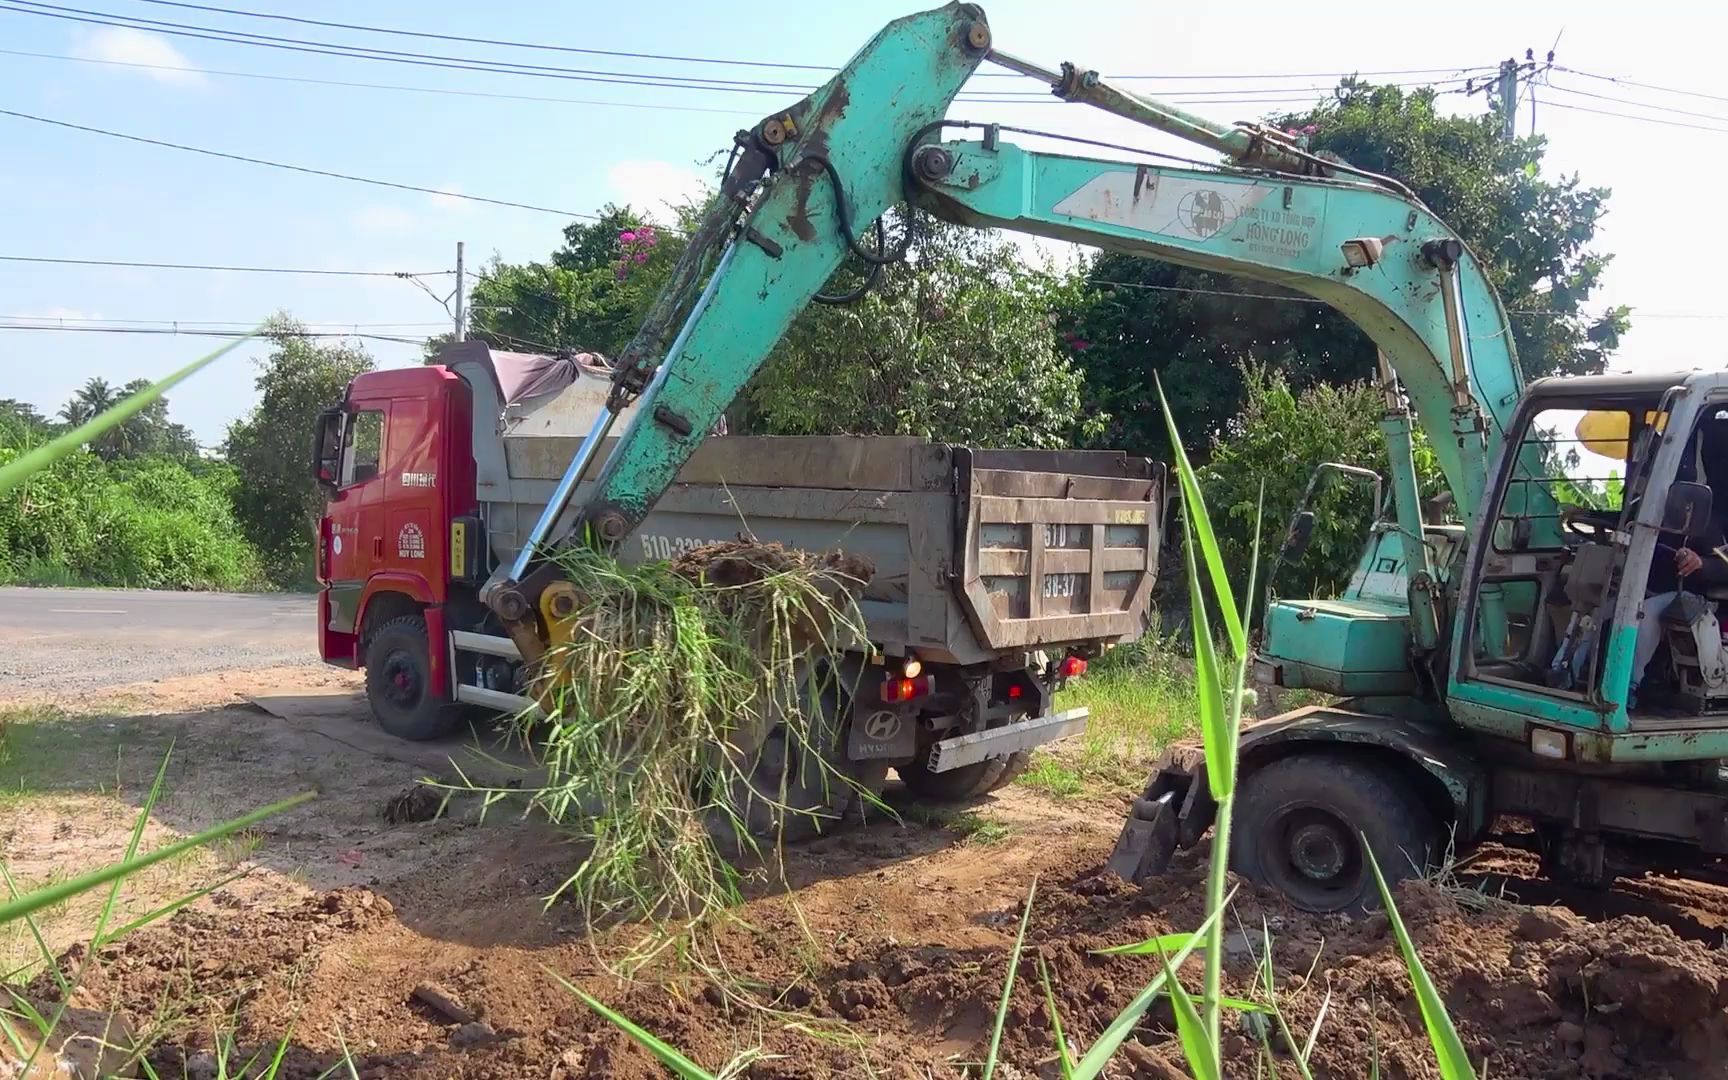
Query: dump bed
[[978, 553]]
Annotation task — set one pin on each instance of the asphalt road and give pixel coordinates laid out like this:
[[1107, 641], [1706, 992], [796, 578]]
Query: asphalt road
[[58, 640]]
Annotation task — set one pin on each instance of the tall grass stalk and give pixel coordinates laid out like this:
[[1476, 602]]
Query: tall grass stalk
[[1220, 711]]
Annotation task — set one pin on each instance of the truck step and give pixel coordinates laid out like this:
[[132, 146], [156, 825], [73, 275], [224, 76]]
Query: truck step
[[494, 699], [1000, 742]]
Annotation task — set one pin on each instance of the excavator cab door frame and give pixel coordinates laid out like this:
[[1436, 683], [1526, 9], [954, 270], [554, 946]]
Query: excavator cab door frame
[[1587, 721]]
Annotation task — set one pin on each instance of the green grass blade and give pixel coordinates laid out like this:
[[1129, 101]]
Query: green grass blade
[[1196, 507], [1096, 1059], [165, 910], [1008, 984], [1152, 946], [1216, 732], [54, 894], [1242, 1004], [1201, 1054], [1064, 1059], [668, 1056], [1448, 1048], [132, 844], [54, 449]]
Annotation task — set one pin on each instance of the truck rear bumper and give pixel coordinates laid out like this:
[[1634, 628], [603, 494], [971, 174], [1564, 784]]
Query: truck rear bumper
[[1000, 742]]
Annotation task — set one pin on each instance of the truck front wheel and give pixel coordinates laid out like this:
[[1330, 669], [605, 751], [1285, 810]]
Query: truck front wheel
[[1300, 823], [399, 682]]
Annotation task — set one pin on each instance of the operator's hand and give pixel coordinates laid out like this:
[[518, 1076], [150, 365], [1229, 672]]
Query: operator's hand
[[1687, 561]]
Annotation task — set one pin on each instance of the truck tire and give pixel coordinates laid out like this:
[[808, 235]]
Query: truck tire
[[1300, 822], [793, 790], [966, 782], [399, 682]]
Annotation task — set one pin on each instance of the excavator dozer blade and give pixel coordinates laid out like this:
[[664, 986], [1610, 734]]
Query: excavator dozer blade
[[1173, 811]]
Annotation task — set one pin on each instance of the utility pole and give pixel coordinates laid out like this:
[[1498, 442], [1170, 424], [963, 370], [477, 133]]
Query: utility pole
[[1501, 90], [1507, 106], [461, 309]]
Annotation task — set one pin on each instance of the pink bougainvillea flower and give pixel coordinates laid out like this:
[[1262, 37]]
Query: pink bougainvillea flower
[[626, 237]]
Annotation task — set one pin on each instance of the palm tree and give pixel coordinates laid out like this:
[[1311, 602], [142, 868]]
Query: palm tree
[[92, 399]]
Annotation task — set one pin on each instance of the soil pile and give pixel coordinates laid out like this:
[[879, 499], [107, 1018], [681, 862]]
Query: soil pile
[[891, 965]]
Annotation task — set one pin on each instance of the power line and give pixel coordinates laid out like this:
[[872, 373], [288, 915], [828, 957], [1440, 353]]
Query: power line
[[56, 320], [428, 35], [293, 168], [378, 86], [231, 269], [1642, 85], [1634, 116], [1638, 104], [163, 330], [460, 63]]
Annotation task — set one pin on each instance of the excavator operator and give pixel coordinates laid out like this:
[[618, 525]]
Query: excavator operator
[[1693, 563]]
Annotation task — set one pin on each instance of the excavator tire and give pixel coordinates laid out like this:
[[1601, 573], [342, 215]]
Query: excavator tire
[[1300, 822], [399, 682]]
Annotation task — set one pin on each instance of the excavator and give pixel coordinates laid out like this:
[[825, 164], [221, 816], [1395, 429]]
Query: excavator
[[1475, 672]]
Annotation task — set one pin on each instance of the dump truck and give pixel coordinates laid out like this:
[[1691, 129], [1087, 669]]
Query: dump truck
[[997, 575]]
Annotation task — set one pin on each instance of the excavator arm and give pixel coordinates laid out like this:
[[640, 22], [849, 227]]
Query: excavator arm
[[806, 186]]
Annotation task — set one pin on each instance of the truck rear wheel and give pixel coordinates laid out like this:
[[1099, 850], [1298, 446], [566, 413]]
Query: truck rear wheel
[[966, 782], [796, 788], [1300, 823], [399, 682]]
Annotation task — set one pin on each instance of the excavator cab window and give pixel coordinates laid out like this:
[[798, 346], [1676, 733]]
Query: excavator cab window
[[1551, 581]]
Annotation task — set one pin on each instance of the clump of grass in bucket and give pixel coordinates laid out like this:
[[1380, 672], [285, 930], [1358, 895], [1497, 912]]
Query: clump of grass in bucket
[[660, 696]]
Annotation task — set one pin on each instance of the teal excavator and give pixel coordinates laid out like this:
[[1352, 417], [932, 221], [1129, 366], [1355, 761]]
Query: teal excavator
[[1475, 672]]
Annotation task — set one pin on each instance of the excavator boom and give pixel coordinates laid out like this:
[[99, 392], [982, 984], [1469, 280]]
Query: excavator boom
[[806, 185]]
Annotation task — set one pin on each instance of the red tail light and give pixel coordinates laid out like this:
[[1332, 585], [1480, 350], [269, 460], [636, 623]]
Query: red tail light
[[1015, 690], [907, 689], [1073, 667]]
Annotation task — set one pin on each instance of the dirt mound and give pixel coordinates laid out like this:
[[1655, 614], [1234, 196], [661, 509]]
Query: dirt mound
[[890, 964]]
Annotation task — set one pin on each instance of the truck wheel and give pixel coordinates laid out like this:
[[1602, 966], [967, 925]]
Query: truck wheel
[[966, 782], [1300, 823], [399, 682], [796, 789]]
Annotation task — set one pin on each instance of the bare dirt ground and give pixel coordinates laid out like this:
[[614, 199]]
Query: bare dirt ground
[[886, 957]]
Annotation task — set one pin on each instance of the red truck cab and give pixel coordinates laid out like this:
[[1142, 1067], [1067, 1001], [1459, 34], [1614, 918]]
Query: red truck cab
[[395, 462]]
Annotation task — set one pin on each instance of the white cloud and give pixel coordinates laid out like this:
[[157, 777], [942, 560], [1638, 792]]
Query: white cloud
[[382, 218], [654, 187], [150, 53]]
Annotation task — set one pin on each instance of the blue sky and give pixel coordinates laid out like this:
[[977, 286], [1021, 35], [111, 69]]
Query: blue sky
[[70, 194]]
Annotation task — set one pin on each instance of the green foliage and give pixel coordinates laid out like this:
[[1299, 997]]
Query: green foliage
[[1532, 234], [278, 506], [957, 344], [146, 431], [1276, 441], [590, 296], [149, 523]]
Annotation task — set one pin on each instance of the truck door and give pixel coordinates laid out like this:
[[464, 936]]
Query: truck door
[[354, 536]]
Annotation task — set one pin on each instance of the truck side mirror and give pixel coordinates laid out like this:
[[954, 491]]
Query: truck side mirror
[[1687, 509], [327, 450], [1297, 536]]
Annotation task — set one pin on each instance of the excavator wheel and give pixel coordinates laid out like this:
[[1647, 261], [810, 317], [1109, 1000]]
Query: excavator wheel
[[1300, 823], [796, 789]]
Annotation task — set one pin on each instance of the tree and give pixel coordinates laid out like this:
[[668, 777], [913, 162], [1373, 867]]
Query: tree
[[1532, 235], [21, 424], [957, 344], [1277, 440], [277, 503], [93, 397], [589, 296]]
